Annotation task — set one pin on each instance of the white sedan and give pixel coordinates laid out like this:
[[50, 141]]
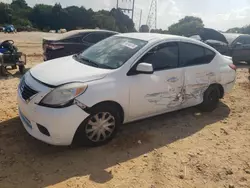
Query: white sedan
[[86, 97]]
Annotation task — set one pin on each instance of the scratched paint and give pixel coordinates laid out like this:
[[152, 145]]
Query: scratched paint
[[202, 82]]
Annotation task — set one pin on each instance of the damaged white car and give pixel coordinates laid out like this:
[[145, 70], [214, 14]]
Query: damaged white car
[[127, 77]]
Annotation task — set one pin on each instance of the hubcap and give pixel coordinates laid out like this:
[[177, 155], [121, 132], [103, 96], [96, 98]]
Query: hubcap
[[100, 127]]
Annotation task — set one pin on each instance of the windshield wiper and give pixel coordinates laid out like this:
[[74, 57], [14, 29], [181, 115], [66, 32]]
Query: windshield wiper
[[82, 60], [89, 62]]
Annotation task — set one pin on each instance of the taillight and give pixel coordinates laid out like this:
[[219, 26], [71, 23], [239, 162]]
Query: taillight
[[232, 66], [54, 47]]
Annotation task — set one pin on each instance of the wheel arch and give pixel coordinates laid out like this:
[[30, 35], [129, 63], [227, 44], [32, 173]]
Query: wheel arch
[[109, 103]]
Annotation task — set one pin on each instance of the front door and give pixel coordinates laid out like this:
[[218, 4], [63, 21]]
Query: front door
[[158, 92], [241, 49]]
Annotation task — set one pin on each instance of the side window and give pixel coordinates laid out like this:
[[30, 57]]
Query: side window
[[209, 55], [240, 40], [191, 54], [94, 37], [164, 56], [74, 39], [247, 40]]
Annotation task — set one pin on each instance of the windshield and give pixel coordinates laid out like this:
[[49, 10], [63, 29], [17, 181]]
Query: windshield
[[112, 52]]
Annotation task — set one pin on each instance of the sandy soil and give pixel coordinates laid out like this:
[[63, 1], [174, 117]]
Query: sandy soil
[[180, 149]]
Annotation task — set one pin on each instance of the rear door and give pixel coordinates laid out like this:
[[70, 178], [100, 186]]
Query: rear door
[[241, 49], [199, 72]]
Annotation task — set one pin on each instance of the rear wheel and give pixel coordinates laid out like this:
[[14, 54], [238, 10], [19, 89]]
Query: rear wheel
[[210, 99], [100, 127]]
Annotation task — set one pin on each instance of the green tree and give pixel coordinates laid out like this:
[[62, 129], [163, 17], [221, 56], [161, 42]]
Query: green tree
[[5, 14], [46, 17], [21, 12], [20, 4], [187, 26], [123, 22], [41, 16]]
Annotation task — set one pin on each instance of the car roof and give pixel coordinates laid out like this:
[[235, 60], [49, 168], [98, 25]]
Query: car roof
[[69, 34], [90, 30], [232, 36], [150, 36]]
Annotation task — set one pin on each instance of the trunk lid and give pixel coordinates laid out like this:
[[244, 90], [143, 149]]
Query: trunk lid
[[211, 34]]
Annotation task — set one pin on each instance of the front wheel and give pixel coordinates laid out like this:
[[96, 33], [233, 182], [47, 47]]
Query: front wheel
[[99, 128], [211, 99]]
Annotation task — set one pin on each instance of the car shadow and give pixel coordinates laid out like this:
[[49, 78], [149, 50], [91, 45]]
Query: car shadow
[[22, 156]]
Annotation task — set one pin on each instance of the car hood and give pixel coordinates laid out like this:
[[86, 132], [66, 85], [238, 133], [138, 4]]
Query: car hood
[[211, 34], [65, 70]]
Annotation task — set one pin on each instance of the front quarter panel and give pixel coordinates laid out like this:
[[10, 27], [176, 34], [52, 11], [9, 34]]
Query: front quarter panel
[[107, 89]]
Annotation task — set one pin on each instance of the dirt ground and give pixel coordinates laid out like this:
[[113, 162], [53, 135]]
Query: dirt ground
[[180, 149]]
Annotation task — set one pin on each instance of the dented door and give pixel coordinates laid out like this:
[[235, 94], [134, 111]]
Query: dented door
[[199, 72], [197, 80]]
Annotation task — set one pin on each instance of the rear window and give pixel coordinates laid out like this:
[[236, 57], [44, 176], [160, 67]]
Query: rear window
[[191, 54], [95, 37]]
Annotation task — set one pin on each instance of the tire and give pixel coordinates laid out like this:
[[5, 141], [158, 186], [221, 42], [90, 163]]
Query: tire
[[211, 99], [84, 132], [21, 69], [3, 71]]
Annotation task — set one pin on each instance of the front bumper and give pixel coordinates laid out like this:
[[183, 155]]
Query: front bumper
[[61, 123]]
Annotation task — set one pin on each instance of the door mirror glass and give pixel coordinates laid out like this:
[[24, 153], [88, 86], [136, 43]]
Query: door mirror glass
[[145, 68]]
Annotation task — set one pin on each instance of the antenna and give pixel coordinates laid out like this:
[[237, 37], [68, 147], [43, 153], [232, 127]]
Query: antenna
[[152, 16], [128, 4]]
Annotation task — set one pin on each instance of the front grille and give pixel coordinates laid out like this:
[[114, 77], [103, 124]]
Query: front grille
[[26, 91]]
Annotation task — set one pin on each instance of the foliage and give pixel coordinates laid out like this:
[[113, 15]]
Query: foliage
[[187, 26], [243, 30], [46, 17]]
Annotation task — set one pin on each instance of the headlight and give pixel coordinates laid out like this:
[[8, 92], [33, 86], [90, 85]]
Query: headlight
[[63, 95]]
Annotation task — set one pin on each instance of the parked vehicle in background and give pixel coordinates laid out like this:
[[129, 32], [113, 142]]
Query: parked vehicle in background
[[235, 45], [72, 42], [121, 79], [9, 29], [11, 57]]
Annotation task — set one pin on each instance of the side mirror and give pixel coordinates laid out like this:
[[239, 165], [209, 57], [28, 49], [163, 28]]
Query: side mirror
[[145, 68]]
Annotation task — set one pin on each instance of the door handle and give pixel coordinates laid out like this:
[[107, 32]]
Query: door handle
[[173, 79]]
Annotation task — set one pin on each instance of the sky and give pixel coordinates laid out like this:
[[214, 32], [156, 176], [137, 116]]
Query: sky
[[217, 14]]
